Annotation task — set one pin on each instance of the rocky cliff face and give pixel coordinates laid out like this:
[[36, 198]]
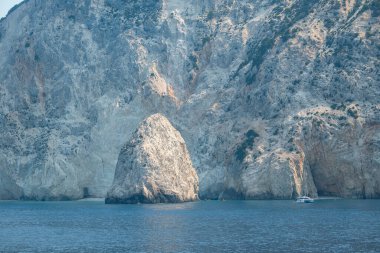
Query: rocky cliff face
[[154, 167], [9, 190], [273, 98]]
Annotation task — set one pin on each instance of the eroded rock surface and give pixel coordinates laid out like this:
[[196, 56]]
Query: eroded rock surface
[[154, 167], [9, 190], [273, 98]]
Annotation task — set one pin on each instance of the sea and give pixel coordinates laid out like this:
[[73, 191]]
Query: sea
[[328, 225]]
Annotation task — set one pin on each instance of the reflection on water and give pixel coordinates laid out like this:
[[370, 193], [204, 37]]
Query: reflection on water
[[205, 226], [169, 207]]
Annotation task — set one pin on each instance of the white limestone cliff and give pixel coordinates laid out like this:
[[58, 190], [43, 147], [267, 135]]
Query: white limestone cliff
[[274, 99]]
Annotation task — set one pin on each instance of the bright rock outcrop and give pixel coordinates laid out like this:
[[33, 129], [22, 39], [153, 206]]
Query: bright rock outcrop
[[154, 167]]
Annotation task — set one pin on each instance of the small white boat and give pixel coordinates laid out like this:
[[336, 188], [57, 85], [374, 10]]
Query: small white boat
[[305, 199]]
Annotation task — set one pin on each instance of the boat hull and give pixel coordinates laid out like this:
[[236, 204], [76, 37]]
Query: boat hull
[[305, 200]]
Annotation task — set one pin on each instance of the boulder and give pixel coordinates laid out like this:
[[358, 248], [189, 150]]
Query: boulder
[[154, 167]]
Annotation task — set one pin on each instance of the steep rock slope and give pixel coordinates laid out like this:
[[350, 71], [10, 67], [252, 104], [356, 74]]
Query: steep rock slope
[[273, 98], [154, 167]]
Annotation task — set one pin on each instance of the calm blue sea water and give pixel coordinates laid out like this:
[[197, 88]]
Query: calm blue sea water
[[206, 226]]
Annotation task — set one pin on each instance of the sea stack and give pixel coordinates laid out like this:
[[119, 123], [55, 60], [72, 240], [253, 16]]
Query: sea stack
[[154, 167]]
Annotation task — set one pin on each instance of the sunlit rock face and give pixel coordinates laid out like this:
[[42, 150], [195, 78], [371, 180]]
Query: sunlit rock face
[[273, 98], [154, 167]]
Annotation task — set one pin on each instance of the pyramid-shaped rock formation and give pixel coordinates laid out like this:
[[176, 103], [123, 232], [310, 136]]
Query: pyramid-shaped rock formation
[[154, 167]]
